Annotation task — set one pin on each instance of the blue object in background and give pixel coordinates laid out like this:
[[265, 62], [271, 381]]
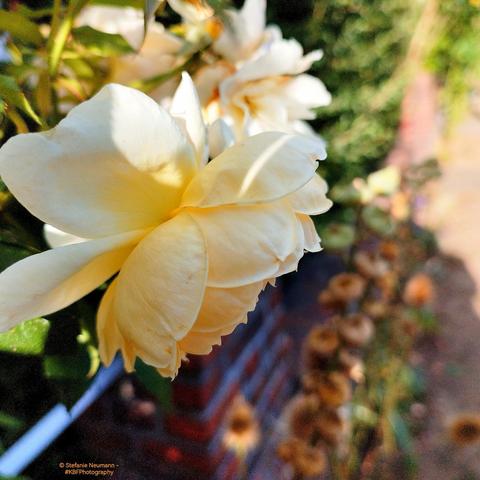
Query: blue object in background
[[28, 447]]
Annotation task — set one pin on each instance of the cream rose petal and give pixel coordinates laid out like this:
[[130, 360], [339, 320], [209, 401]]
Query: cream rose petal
[[160, 289], [202, 343], [283, 57], [311, 198], [58, 238], [171, 370], [207, 80], [220, 137], [243, 31], [51, 280], [311, 238], [117, 162], [222, 307], [110, 339], [195, 11], [246, 244], [186, 109], [290, 263], [261, 169], [307, 91]]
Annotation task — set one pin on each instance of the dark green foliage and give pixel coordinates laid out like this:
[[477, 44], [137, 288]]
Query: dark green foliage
[[455, 55], [364, 44]]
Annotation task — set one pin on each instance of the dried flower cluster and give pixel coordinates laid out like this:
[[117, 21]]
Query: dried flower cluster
[[316, 418], [242, 432], [373, 313]]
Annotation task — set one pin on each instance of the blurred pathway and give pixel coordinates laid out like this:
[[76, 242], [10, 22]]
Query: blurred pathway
[[452, 364]]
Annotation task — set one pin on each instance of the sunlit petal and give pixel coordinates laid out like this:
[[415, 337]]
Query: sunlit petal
[[58, 238], [243, 32], [311, 238], [244, 243], [49, 281], [311, 198], [109, 338], [186, 109], [220, 137], [260, 169], [160, 289], [116, 163], [222, 307]]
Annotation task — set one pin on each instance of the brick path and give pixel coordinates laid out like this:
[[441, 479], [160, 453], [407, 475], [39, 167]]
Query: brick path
[[453, 367]]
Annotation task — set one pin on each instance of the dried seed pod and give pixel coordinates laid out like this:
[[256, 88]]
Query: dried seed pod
[[330, 426], [310, 461], [356, 329], [242, 432], [370, 264], [347, 287], [300, 415], [375, 309], [352, 364], [328, 300], [464, 430], [306, 460], [333, 389], [321, 343]]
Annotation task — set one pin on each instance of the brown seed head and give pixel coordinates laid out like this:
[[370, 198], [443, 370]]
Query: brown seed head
[[351, 364], [330, 426], [301, 412], [347, 287], [334, 389], [375, 309], [328, 300], [465, 429], [310, 461], [370, 264], [356, 329], [242, 432], [322, 341]]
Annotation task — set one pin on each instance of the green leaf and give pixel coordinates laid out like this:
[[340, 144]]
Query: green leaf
[[346, 194], [3, 477], [9, 422], [28, 338], [13, 95], [9, 254], [155, 383], [34, 13], [378, 221], [20, 27], [43, 94], [401, 431], [81, 68], [101, 43], [338, 236], [66, 367]]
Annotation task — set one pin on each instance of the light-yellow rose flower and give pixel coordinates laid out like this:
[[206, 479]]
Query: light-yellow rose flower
[[194, 243], [258, 84]]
